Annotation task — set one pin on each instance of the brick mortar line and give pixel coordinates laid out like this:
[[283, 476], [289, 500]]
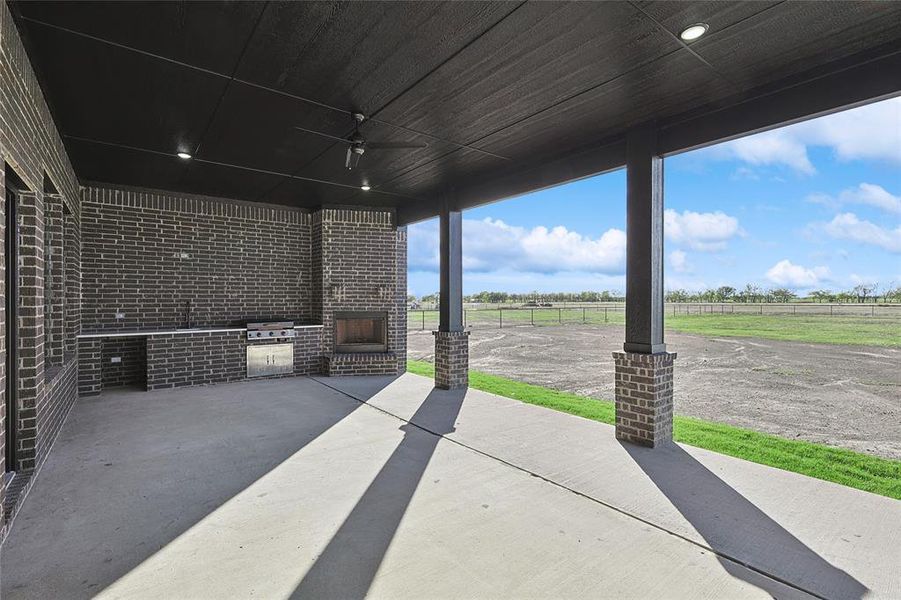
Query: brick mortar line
[[621, 511]]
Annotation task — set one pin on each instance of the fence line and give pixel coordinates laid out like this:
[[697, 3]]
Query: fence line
[[615, 313]]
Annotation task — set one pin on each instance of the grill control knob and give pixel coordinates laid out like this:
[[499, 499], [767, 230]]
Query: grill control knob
[[271, 333]]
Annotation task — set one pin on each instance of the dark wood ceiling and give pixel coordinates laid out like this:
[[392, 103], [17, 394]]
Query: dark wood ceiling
[[496, 89]]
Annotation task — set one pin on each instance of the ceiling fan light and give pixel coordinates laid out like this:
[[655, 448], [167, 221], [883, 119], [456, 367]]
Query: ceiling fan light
[[365, 188], [183, 156], [693, 32]]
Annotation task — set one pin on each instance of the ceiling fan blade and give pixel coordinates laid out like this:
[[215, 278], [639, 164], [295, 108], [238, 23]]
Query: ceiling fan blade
[[325, 135], [395, 145]]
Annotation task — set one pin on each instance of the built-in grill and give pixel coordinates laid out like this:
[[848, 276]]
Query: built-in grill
[[270, 358], [273, 330]]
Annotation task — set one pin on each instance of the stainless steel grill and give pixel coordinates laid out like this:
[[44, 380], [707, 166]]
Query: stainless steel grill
[[273, 330]]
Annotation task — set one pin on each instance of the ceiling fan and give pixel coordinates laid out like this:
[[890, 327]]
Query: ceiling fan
[[357, 145]]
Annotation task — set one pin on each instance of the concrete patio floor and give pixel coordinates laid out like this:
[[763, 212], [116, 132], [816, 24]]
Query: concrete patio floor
[[346, 487]]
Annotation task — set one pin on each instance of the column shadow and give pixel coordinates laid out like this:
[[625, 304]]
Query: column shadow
[[132, 471], [735, 528], [348, 565]]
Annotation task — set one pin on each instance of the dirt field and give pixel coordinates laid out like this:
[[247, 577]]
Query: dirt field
[[847, 396]]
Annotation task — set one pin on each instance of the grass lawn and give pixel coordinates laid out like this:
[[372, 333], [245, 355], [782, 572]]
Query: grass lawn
[[818, 330], [868, 473]]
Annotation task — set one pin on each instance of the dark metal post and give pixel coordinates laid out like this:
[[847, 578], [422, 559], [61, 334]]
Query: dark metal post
[[560, 316], [500, 317], [450, 302], [644, 243], [532, 315]]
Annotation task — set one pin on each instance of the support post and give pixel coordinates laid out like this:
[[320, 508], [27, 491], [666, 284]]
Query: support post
[[451, 340], [644, 370]]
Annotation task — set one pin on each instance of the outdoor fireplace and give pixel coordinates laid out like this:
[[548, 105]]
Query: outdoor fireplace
[[361, 332]]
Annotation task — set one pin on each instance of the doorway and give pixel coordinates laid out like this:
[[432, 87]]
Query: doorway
[[11, 257]]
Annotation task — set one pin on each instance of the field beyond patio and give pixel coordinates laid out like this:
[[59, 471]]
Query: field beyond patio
[[836, 394]]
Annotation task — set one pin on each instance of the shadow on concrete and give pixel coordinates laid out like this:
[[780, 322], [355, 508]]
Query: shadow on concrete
[[736, 529], [132, 471], [348, 565]]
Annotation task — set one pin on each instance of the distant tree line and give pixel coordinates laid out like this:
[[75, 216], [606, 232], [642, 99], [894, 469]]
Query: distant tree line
[[749, 294], [511, 298], [752, 293]]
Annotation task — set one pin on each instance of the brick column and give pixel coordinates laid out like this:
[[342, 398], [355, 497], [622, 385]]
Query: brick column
[[644, 397], [451, 359], [54, 280], [89, 365], [31, 326]]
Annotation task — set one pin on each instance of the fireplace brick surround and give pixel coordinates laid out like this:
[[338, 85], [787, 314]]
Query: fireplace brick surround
[[359, 262]]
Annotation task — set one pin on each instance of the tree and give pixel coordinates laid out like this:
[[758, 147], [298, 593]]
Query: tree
[[893, 294], [782, 294], [863, 291], [821, 295], [751, 293], [846, 296], [676, 296], [724, 293]]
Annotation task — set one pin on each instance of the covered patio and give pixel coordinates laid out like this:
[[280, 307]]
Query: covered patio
[[205, 209], [343, 487]]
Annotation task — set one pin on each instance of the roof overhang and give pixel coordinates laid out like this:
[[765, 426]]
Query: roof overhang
[[507, 98]]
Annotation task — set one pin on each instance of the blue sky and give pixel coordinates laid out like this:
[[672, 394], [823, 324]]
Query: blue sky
[[815, 205]]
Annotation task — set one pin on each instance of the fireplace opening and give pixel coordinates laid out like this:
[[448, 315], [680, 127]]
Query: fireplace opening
[[361, 332]]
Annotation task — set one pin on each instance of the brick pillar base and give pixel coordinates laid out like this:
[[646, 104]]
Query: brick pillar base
[[644, 397], [451, 359]]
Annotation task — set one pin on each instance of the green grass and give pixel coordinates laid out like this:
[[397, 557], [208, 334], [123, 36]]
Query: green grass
[[858, 331], [868, 473], [816, 329]]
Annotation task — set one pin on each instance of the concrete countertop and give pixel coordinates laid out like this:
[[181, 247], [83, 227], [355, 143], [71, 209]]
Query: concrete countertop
[[148, 333]]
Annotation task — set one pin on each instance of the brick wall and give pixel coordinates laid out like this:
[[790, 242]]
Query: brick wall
[[178, 360], [363, 258], [131, 370], [147, 254], [89, 366], [32, 149]]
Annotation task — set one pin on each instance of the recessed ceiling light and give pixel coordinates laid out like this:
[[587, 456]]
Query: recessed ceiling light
[[693, 32], [183, 155], [365, 188]]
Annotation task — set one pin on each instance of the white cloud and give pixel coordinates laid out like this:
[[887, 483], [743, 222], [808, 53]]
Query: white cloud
[[869, 194], [707, 232], [491, 244], [847, 226], [787, 273], [871, 132], [679, 261], [772, 148]]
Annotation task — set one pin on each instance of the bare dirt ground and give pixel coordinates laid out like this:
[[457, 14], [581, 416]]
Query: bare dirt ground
[[848, 396]]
